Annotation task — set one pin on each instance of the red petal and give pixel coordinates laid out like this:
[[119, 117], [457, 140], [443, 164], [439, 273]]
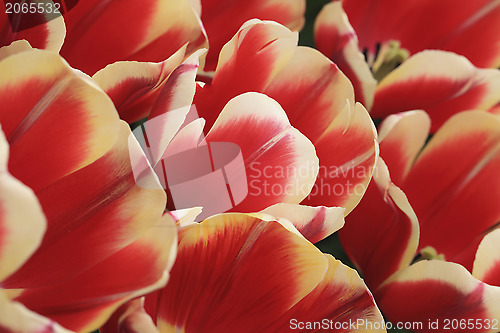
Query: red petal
[[223, 20], [280, 163], [42, 31], [101, 33], [253, 274], [336, 39], [440, 83], [106, 240], [440, 296], [247, 63], [134, 86], [328, 305], [401, 137], [316, 96], [381, 234], [172, 107], [347, 150], [469, 30], [454, 186], [54, 115]]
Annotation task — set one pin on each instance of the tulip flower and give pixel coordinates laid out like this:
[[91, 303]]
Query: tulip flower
[[316, 107], [248, 273], [318, 100], [441, 83], [107, 240], [469, 29], [450, 230]]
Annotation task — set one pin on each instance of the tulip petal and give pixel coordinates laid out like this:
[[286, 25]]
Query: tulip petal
[[401, 137], [336, 39], [440, 83], [381, 234], [454, 186], [132, 251], [101, 33], [487, 263], [16, 47], [429, 24], [344, 175], [172, 106], [39, 124], [440, 291], [356, 313], [248, 273], [280, 162], [131, 318], [134, 86], [16, 318], [188, 137], [314, 223], [48, 33], [234, 254], [248, 62], [22, 222], [222, 20], [316, 96], [106, 240]]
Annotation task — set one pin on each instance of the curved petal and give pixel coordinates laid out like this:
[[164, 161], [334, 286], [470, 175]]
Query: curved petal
[[101, 33], [248, 62], [15, 47], [188, 137], [336, 39], [440, 83], [22, 222], [487, 263], [280, 162], [356, 313], [54, 115], [134, 240], [454, 186], [345, 174], [106, 240], [16, 318], [222, 20], [381, 234], [469, 30], [134, 86], [316, 96], [41, 30], [131, 318], [401, 137], [248, 273], [314, 223], [440, 292], [172, 107]]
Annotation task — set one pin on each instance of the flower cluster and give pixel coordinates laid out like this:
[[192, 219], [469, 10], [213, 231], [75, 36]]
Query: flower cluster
[[169, 165]]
